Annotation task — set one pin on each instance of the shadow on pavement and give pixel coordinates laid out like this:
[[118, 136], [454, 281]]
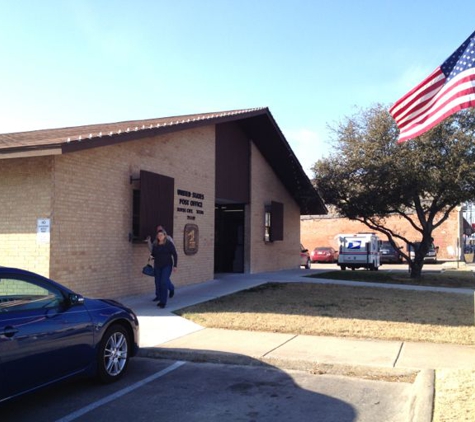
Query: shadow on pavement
[[196, 392], [278, 395]]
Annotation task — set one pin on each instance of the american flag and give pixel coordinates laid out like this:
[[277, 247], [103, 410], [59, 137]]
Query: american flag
[[448, 89]]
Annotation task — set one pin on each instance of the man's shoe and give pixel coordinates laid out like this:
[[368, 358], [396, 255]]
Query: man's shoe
[[154, 300], [160, 305], [172, 293]]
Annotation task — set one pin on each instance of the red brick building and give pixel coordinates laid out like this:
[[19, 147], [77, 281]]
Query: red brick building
[[323, 231]]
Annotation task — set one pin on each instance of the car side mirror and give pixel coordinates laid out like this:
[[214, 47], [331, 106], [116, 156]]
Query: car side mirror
[[304, 250], [75, 299]]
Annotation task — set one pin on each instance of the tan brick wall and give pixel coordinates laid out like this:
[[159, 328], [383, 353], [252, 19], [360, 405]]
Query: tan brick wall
[[88, 197], [323, 231], [265, 188], [25, 189], [93, 212]]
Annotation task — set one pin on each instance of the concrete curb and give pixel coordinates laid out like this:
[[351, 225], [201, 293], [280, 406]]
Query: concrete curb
[[421, 407], [191, 355], [211, 356]]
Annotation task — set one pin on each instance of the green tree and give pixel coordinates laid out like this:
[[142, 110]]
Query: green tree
[[369, 176]]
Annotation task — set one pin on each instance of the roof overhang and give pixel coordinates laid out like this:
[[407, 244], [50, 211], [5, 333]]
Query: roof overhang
[[270, 141]]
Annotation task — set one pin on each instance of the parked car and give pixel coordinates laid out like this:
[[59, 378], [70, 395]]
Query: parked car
[[431, 255], [389, 254], [48, 334], [304, 258], [324, 254]]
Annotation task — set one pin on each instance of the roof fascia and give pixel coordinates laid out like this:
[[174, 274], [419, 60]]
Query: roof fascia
[[119, 137], [31, 153]]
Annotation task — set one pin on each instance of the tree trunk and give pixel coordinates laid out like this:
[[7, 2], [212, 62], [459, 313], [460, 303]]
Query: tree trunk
[[416, 268]]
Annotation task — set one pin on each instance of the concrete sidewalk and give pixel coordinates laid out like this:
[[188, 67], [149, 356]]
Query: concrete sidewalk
[[161, 329], [165, 335]]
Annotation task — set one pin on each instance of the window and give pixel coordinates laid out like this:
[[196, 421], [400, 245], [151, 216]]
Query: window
[[274, 222], [20, 295], [267, 224]]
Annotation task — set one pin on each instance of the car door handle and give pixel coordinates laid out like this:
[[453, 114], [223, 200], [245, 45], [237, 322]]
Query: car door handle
[[9, 331]]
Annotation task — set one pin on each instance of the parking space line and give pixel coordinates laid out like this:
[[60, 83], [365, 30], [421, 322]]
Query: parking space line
[[120, 393]]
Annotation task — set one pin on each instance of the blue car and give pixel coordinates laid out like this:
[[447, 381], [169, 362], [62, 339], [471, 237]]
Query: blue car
[[48, 334]]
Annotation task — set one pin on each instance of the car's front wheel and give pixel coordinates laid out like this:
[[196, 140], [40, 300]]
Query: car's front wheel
[[113, 355]]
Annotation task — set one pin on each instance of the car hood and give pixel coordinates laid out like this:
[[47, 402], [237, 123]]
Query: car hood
[[108, 306], [113, 302]]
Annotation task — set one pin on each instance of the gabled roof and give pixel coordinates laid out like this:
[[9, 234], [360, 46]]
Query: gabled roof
[[257, 123]]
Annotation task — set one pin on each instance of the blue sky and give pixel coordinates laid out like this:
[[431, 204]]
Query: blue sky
[[77, 62]]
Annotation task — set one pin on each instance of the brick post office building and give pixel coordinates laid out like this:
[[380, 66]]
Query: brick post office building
[[77, 203]]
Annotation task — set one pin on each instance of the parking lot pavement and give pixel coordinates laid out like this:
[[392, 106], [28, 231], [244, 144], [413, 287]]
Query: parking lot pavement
[[187, 392]]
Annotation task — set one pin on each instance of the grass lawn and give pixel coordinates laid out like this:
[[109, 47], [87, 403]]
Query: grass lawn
[[343, 311], [450, 278]]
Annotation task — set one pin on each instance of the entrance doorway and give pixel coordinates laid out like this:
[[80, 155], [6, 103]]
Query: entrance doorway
[[229, 239]]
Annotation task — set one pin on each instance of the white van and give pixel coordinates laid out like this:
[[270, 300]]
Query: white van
[[359, 250]]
